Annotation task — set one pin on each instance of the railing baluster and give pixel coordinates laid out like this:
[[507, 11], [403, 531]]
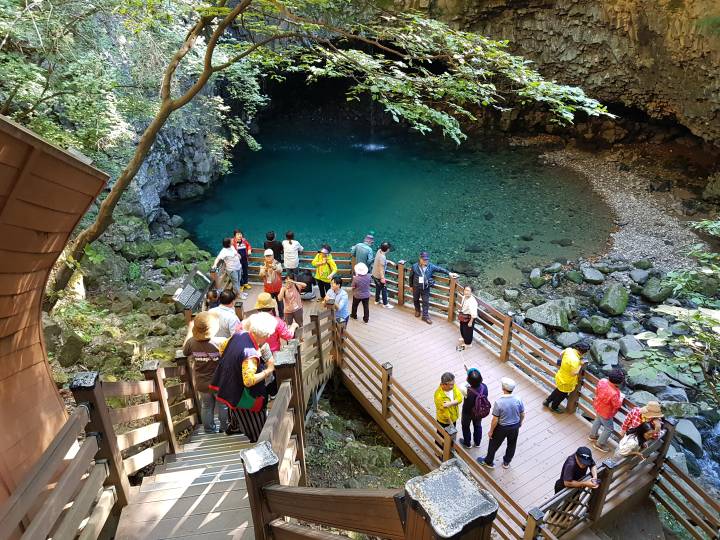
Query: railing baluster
[[387, 369], [451, 300], [153, 372], [289, 366], [599, 494], [189, 364], [506, 339], [401, 283], [669, 425], [534, 520]]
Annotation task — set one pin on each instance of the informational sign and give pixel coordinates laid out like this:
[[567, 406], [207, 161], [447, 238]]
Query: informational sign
[[193, 291]]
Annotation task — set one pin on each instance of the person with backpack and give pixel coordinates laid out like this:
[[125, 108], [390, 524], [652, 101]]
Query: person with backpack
[[291, 250], [508, 415], [607, 402], [447, 400], [566, 378], [271, 275], [475, 407]]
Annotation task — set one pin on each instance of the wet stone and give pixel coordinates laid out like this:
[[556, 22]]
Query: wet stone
[[639, 276], [592, 275], [575, 276]]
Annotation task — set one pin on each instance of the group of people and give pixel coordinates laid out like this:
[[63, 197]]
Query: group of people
[[470, 404]]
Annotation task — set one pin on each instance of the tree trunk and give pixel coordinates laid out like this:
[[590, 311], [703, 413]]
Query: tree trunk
[[76, 249]]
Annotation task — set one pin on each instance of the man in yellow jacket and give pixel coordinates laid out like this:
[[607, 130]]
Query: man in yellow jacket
[[566, 378], [447, 400]]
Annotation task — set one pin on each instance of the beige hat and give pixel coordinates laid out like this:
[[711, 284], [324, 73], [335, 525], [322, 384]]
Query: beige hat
[[361, 269], [205, 326], [652, 410], [268, 251], [265, 301]]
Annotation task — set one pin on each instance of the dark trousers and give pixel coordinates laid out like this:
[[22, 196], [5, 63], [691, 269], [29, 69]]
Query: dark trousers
[[465, 422], [498, 437], [366, 308], [380, 290], [421, 294], [556, 398], [466, 331], [280, 304], [324, 287], [244, 264]]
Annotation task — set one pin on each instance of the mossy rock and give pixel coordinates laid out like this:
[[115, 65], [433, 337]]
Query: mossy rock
[[161, 262], [60, 377], [176, 321], [656, 291], [187, 251], [575, 276], [615, 300], [204, 266], [134, 251], [164, 248], [156, 309]]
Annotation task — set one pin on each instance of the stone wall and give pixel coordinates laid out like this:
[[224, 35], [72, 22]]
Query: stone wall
[[657, 56]]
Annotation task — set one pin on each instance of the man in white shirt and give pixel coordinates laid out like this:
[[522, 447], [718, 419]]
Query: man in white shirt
[[229, 320]]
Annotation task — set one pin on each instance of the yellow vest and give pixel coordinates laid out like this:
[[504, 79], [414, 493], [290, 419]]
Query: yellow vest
[[447, 415]]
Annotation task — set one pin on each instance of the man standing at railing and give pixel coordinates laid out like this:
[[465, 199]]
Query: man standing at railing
[[508, 415], [421, 279], [576, 468], [363, 251]]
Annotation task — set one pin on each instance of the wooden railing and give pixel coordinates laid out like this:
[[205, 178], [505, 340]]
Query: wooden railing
[[318, 356], [63, 495]]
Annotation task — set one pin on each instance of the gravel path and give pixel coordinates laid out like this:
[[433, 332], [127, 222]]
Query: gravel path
[[647, 228]]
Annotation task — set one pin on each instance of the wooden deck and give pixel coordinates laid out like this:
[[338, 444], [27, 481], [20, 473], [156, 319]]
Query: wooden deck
[[199, 493]]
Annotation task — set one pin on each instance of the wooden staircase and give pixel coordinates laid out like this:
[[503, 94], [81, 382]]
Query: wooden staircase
[[197, 493]]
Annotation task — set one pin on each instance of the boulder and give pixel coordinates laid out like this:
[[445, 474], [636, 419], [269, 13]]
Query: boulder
[[657, 323], [156, 309], [615, 300], [554, 268], [651, 380], [603, 267], [575, 276], [71, 349], [680, 329], [643, 264], [600, 325], [639, 276], [567, 339], [605, 352], [161, 262], [467, 268], [553, 314], [642, 397], [612, 334], [176, 321], [690, 436], [187, 251], [499, 281], [678, 459], [592, 275], [672, 393], [51, 332], [163, 248], [629, 344], [655, 291], [536, 278], [137, 250], [539, 330], [501, 305], [631, 327], [511, 294], [678, 409]]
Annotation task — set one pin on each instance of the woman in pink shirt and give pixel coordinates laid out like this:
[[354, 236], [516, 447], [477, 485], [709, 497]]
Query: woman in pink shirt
[[607, 402]]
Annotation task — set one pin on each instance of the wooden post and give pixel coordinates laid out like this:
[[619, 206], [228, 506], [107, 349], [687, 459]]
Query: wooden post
[[239, 310], [574, 397], [534, 520], [451, 301], [401, 283], [429, 515], [188, 315], [261, 469], [288, 366], [599, 494], [189, 365], [153, 372], [87, 387], [669, 427], [385, 387], [315, 323], [506, 339], [449, 434]]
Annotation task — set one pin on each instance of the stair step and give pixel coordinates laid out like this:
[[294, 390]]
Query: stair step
[[172, 475], [189, 478], [178, 466]]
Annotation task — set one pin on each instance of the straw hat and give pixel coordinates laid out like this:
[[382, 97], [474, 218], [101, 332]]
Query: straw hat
[[361, 269], [652, 410], [206, 325], [265, 301]]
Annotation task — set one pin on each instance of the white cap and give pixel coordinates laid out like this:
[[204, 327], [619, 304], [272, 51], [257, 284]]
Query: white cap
[[269, 251], [361, 269], [507, 384]]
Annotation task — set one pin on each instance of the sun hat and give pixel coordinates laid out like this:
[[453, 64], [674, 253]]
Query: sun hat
[[206, 325], [268, 251], [425, 255], [652, 410], [325, 250], [584, 456], [507, 384], [361, 269], [265, 301]]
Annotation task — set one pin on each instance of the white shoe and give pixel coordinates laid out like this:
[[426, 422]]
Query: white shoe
[[389, 306]]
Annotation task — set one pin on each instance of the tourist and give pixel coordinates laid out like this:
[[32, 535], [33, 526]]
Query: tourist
[[229, 320], [566, 378], [447, 401], [607, 402], [466, 316], [421, 279], [304, 276], [271, 275], [291, 254], [241, 373], [245, 250], [275, 245], [379, 269], [202, 345], [363, 252], [339, 298], [290, 296], [325, 269], [212, 299], [652, 412], [575, 468], [361, 291], [635, 440], [474, 408], [507, 416], [233, 265]]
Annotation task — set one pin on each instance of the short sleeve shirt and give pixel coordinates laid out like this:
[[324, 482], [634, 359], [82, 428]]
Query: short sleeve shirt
[[228, 321], [508, 409]]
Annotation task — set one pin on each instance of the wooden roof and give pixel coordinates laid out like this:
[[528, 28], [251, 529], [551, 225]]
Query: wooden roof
[[44, 191]]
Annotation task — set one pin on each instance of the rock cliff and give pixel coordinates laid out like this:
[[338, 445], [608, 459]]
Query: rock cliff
[[661, 57]]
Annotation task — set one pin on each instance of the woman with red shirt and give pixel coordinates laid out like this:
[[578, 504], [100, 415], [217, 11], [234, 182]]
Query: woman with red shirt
[[607, 402]]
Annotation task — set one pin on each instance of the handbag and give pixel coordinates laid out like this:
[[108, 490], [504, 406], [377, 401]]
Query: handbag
[[464, 317]]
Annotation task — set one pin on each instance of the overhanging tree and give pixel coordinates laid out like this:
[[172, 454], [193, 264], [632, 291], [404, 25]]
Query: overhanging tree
[[421, 71]]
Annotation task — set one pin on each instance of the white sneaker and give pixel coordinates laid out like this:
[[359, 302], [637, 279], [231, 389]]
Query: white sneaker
[[389, 306]]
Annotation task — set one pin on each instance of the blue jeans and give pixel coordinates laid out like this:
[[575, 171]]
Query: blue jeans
[[465, 423], [208, 412], [235, 277], [380, 290], [605, 423]]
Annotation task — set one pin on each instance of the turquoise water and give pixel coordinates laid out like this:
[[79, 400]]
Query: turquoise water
[[485, 211]]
